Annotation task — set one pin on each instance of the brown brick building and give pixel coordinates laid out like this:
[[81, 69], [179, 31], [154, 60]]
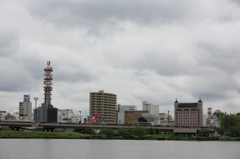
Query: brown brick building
[[188, 114], [131, 117]]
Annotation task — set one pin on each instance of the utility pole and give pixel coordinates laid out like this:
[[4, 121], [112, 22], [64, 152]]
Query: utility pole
[[225, 120]]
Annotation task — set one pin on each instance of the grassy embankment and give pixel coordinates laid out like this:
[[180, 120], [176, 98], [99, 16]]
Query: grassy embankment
[[76, 135], [40, 135]]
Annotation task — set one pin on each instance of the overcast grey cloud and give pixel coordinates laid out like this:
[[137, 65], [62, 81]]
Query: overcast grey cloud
[[155, 51]]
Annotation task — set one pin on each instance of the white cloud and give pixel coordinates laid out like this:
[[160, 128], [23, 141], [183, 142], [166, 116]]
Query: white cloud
[[140, 50]]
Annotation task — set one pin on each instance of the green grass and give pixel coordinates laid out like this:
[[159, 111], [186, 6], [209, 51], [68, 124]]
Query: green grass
[[41, 135]]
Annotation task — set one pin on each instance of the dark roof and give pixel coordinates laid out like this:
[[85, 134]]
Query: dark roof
[[146, 119], [141, 119], [187, 105], [200, 100]]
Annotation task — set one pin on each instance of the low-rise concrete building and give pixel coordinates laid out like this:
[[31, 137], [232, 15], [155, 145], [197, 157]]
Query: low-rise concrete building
[[131, 117], [153, 110], [2, 115], [166, 119], [121, 112], [68, 116], [25, 108]]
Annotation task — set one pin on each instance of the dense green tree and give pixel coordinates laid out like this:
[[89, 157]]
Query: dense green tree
[[151, 131], [139, 131], [106, 131], [229, 120], [204, 132], [221, 131], [90, 131], [157, 131], [123, 132], [235, 131]]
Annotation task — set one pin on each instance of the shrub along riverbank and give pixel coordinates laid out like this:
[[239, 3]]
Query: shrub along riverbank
[[76, 135], [40, 135]]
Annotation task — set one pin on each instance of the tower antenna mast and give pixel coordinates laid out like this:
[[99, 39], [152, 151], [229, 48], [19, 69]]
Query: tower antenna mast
[[48, 84]]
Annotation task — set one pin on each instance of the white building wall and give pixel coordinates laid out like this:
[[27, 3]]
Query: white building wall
[[213, 121], [16, 115], [153, 109], [68, 116], [25, 110], [122, 109], [204, 120], [2, 117]]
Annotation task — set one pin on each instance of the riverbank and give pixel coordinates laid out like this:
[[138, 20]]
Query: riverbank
[[76, 135], [40, 135]]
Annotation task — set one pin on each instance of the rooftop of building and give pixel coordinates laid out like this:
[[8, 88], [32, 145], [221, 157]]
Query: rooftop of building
[[187, 105], [137, 111]]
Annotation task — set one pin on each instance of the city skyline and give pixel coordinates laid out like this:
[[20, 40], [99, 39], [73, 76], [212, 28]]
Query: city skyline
[[153, 51]]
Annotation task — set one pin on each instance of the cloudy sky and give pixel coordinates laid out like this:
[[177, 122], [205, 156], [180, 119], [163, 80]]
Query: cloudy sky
[[141, 50]]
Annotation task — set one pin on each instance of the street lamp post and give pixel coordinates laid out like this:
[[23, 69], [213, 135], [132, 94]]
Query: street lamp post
[[80, 121]]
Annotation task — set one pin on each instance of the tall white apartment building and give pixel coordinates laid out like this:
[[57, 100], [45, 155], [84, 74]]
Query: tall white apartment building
[[121, 112], [25, 108], [153, 110]]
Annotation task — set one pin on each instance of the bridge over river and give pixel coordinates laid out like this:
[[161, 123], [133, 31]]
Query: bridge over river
[[16, 125]]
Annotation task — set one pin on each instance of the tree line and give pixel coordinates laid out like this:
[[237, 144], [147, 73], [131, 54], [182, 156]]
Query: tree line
[[230, 124], [137, 132]]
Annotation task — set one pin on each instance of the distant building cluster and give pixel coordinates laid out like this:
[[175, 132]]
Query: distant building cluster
[[103, 109]]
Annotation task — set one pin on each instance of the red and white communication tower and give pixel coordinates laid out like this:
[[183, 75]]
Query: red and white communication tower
[[48, 84], [209, 112]]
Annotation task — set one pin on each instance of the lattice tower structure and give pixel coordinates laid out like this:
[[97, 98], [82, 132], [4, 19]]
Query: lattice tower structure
[[48, 84]]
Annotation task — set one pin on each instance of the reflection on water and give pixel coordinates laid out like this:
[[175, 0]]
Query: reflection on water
[[116, 149]]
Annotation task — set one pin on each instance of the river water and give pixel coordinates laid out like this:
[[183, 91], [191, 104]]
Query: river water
[[116, 149]]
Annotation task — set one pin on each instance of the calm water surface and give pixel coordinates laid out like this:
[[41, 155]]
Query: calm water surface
[[116, 149]]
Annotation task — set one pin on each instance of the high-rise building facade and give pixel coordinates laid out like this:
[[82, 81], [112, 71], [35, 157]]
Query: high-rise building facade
[[105, 104], [188, 114], [25, 108]]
